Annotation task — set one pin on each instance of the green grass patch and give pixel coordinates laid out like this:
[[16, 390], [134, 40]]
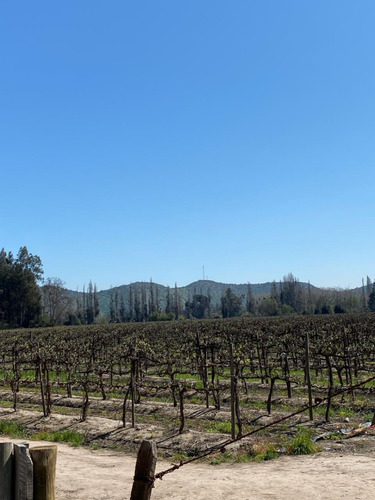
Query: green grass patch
[[186, 376], [344, 412], [161, 399], [13, 429], [6, 404], [219, 427], [195, 400], [70, 437], [320, 410]]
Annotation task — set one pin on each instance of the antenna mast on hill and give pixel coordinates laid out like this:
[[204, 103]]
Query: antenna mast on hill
[[203, 274]]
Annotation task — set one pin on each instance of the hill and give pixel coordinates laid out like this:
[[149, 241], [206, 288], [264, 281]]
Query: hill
[[209, 288]]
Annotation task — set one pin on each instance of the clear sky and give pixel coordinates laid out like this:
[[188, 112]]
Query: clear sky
[[148, 139]]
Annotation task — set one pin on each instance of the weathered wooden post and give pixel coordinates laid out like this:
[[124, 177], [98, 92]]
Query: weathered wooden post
[[308, 375], [144, 471], [6, 471], [232, 392], [44, 460], [23, 472]]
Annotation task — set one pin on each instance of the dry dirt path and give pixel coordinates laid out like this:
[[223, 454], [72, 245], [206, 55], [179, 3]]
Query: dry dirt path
[[99, 474]]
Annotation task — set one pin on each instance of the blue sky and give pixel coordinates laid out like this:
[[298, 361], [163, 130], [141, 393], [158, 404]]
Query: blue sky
[[148, 139]]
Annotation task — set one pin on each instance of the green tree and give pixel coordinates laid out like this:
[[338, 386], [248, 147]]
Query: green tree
[[230, 304], [96, 302], [89, 306], [269, 307], [20, 297], [291, 294], [198, 307]]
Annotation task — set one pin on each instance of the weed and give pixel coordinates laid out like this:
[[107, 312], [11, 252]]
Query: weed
[[246, 453], [180, 456], [194, 451], [6, 404], [320, 410], [223, 457], [196, 400], [270, 454], [302, 444], [345, 412], [368, 416]]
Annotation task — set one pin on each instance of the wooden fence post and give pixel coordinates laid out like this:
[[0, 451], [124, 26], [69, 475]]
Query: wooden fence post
[[23, 467], [144, 471], [44, 460], [6, 469]]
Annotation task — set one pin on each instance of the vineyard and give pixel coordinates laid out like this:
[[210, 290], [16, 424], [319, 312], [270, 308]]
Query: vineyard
[[210, 378]]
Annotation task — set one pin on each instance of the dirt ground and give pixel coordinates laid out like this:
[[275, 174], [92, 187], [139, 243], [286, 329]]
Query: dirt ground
[[344, 469], [84, 473]]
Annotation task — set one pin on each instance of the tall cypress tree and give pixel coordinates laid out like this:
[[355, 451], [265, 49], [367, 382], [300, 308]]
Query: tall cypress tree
[[371, 300]]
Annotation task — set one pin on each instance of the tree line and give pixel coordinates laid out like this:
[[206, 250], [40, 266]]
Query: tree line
[[26, 300]]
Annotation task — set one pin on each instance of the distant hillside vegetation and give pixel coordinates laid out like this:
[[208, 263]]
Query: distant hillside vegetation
[[212, 289]]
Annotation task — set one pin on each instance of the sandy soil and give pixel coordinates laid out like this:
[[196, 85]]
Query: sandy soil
[[83, 473], [345, 469]]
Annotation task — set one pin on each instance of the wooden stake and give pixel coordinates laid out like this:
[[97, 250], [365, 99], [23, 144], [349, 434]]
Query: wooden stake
[[6, 470], [269, 400], [232, 393], [132, 382], [144, 471], [23, 466], [44, 460], [308, 375]]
